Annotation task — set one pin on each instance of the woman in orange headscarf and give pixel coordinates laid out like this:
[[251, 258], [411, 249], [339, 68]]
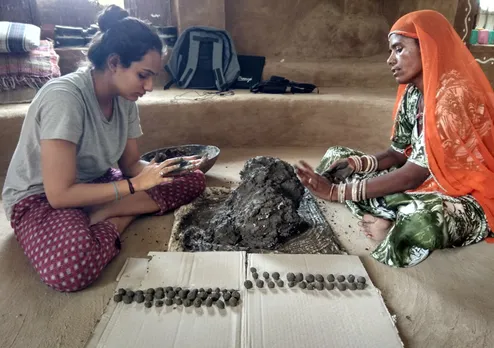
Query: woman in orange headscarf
[[434, 187]]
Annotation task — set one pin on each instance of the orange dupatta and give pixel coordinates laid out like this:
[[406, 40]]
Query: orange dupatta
[[459, 110]]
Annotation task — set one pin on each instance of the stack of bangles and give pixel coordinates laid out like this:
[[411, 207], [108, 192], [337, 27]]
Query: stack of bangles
[[371, 163], [359, 191]]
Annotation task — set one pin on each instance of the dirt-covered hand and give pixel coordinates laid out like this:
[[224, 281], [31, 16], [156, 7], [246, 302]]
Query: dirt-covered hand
[[155, 174], [318, 185], [339, 171]]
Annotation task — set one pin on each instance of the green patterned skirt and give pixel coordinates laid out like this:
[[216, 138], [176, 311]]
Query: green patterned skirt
[[422, 222]]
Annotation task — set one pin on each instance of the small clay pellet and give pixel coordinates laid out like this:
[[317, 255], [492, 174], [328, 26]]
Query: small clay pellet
[[187, 303], [361, 286], [191, 296], [351, 278], [265, 275], [224, 290], [203, 295], [271, 284], [231, 291], [329, 286], [299, 277], [290, 277], [215, 296], [255, 275], [139, 298], [309, 278], [310, 286], [194, 291], [260, 283], [209, 290], [130, 293], [149, 297], [253, 270], [150, 291], [201, 290], [182, 294], [220, 304], [178, 301], [169, 301], [159, 289], [302, 285], [197, 302], [209, 302], [330, 278], [233, 302], [139, 293], [275, 275], [319, 278], [117, 298], [121, 291], [352, 286], [361, 280], [168, 289], [159, 303], [340, 278], [341, 286], [177, 289], [236, 295], [171, 294], [227, 296], [319, 286], [148, 304], [159, 295], [217, 290], [280, 283], [291, 284], [248, 284]]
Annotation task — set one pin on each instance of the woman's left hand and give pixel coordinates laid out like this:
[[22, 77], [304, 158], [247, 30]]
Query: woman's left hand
[[317, 184]]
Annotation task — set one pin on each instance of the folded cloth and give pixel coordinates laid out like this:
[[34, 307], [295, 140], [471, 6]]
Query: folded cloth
[[31, 69], [18, 37]]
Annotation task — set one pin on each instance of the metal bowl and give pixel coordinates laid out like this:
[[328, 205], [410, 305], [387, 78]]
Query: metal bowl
[[188, 150]]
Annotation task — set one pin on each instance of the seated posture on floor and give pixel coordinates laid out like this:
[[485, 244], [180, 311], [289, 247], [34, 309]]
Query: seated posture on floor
[[434, 187], [66, 203]]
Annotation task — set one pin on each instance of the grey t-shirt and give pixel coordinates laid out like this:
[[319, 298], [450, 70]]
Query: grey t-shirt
[[66, 108]]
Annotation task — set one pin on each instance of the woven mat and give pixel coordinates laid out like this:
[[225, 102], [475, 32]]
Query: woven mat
[[317, 239]]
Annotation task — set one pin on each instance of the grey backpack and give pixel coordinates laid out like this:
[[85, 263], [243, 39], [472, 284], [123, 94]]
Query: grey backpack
[[203, 58]]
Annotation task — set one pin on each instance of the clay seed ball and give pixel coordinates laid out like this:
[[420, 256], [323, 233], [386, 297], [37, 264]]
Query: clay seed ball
[[178, 301], [158, 303], [310, 286], [217, 290], [270, 284], [233, 302], [197, 302], [224, 290], [275, 275], [319, 286], [117, 298], [302, 285], [215, 297], [209, 290], [159, 289], [280, 283], [121, 291], [309, 278], [148, 304], [255, 275], [319, 278], [352, 286], [290, 277], [299, 277], [177, 289], [291, 284], [253, 270], [187, 303], [209, 302], [329, 286], [130, 293], [191, 296], [340, 278], [194, 292], [351, 278], [169, 301], [361, 286], [330, 278], [227, 296], [159, 295], [139, 293], [341, 286], [150, 291], [265, 275], [201, 290], [236, 295], [167, 289], [171, 294], [259, 283], [149, 297], [220, 304], [203, 296], [182, 294], [248, 284], [361, 280], [139, 298]]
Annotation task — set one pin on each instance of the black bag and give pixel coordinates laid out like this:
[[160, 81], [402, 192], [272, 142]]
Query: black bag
[[251, 68], [280, 85]]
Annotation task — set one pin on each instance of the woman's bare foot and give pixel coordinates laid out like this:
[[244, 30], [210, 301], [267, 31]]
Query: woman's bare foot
[[375, 228]]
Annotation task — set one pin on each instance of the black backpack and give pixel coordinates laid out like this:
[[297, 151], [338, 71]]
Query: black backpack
[[280, 85]]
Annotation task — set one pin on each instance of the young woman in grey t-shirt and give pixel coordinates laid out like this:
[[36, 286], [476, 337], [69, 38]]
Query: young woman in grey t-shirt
[[66, 203]]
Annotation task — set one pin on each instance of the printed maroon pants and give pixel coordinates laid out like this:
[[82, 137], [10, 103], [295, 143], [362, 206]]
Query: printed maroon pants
[[65, 251]]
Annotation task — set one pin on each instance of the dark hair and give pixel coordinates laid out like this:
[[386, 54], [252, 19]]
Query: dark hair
[[128, 37]]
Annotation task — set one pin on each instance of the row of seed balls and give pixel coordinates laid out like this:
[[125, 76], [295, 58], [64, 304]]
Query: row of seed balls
[[311, 282], [187, 297]]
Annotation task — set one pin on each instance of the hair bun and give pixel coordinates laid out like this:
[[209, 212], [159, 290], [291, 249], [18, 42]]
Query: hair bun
[[111, 16]]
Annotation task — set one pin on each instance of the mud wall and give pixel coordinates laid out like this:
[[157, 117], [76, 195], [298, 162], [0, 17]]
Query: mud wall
[[393, 9]]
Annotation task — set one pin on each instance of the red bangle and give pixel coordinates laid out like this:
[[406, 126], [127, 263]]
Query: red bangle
[[131, 187]]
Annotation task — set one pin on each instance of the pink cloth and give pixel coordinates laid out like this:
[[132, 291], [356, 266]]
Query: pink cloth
[[65, 251], [483, 37]]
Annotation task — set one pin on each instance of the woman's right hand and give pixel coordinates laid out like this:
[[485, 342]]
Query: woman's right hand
[[155, 174], [339, 171]]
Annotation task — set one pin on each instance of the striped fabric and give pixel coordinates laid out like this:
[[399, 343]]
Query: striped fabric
[[18, 37]]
